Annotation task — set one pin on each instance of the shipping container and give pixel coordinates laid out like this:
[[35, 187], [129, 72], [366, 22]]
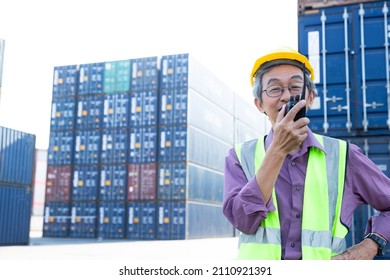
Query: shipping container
[[116, 110], [111, 220], [89, 112], [17, 156], [114, 146], [90, 79], [85, 182], [58, 183], [117, 76], [61, 148], [141, 220], [83, 219], [56, 220], [63, 112], [144, 74], [15, 214], [188, 219], [65, 81], [142, 144], [113, 182], [348, 46], [144, 109]]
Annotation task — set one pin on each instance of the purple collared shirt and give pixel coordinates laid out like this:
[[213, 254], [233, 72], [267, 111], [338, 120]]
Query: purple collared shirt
[[245, 207]]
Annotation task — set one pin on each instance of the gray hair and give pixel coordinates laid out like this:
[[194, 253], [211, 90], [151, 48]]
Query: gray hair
[[266, 67]]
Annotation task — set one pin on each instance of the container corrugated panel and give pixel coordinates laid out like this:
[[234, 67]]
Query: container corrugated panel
[[144, 74], [117, 76], [87, 147], [114, 146], [56, 222], [348, 47], [243, 132], [113, 182], [111, 220], [58, 183], [186, 220], [83, 219], [63, 113], [186, 106], [205, 220], [144, 109], [184, 71], [85, 182], [181, 143], [141, 220], [377, 149], [64, 81], [61, 147], [116, 110], [181, 180], [142, 144], [89, 112], [91, 78], [17, 155], [15, 214]]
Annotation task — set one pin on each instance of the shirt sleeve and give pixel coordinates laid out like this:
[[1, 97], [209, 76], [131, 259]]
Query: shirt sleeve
[[367, 184], [243, 204]]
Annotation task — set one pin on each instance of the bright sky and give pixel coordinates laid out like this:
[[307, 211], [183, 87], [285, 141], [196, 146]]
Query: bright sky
[[226, 36]]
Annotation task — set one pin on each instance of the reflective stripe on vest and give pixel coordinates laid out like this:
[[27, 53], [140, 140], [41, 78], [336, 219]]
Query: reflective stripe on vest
[[322, 232]]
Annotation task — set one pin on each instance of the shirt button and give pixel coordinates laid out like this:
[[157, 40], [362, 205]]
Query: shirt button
[[293, 163], [298, 216], [292, 245], [298, 188]]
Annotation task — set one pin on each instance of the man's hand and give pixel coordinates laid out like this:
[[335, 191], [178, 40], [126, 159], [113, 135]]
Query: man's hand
[[289, 134], [365, 250]]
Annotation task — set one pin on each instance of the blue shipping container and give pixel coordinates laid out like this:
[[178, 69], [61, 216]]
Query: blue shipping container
[[83, 219], [87, 147], [116, 110], [143, 144], [64, 81], [89, 112], [141, 220], [85, 183], [61, 146], [111, 220], [144, 74], [56, 220], [90, 78], [144, 109], [348, 47], [15, 214], [113, 182], [114, 146], [17, 156], [62, 114]]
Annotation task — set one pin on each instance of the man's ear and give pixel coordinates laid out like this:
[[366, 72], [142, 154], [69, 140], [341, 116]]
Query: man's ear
[[310, 99], [259, 105]]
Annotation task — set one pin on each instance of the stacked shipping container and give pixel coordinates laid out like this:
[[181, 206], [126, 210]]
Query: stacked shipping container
[[348, 46], [17, 152], [137, 152]]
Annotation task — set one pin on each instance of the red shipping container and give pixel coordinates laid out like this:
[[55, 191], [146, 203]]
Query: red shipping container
[[148, 181], [58, 183], [141, 181]]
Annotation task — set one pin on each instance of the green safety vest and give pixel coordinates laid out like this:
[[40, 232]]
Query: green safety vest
[[323, 234]]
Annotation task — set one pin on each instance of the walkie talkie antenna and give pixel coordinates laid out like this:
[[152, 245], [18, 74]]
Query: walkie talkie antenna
[[303, 95]]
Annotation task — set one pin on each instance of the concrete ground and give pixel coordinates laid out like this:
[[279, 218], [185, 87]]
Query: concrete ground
[[43, 248]]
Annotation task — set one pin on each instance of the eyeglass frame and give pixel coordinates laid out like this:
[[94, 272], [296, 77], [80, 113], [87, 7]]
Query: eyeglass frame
[[283, 89]]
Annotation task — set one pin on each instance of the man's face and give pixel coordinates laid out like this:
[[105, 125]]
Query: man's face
[[283, 76]]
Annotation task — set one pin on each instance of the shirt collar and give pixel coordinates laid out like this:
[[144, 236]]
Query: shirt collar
[[310, 141]]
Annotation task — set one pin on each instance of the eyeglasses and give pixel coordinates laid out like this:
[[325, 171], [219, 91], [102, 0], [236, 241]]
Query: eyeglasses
[[276, 91]]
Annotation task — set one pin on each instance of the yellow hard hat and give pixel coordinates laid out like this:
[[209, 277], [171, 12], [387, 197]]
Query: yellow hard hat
[[281, 53]]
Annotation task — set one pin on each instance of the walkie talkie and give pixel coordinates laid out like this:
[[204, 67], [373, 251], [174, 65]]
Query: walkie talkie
[[296, 98]]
